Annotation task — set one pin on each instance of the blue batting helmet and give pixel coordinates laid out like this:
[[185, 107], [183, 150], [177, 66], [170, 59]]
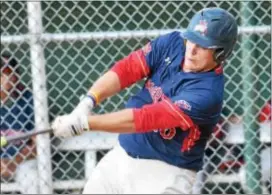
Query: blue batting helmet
[[213, 28]]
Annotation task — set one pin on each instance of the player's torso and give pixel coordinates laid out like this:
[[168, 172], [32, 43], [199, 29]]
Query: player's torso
[[168, 81]]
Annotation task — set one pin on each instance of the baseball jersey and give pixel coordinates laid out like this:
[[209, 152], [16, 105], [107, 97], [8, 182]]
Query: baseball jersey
[[198, 95], [17, 116]]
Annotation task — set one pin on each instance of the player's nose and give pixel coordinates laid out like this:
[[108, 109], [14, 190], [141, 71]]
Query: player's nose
[[193, 48]]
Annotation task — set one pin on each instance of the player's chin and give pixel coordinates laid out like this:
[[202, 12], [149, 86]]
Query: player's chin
[[190, 64]]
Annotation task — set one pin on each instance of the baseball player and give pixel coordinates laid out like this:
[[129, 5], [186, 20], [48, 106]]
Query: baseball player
[[165, 126]]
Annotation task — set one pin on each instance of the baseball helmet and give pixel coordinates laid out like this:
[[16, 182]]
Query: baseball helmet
[[213, 28]]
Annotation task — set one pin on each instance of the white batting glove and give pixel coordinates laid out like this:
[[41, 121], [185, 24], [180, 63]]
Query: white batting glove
[[70, 125], [85, 106]]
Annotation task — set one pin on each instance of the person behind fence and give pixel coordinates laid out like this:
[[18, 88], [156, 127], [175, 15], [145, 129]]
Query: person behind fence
[[264, 119], [16, 116], [165, 126]]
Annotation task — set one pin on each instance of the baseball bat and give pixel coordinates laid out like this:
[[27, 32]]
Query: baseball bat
[[7, 140]]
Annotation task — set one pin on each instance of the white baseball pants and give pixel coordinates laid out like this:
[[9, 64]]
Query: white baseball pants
[[118, 173]]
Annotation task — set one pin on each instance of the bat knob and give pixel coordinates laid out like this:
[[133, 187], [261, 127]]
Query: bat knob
[[3, 141]]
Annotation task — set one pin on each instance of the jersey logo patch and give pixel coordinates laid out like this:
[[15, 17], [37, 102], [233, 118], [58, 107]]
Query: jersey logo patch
[[155, 92], [168, 133], [183, 104]]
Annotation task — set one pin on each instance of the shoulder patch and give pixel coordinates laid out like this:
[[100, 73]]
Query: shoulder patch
[[183, 104]]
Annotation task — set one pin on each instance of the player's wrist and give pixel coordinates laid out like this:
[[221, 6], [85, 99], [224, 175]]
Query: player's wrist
[[88, 102], [94, 97], [85, 105]]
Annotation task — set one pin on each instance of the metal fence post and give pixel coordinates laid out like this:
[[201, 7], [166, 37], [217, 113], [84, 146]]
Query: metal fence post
[[251, 126], [40, 96]]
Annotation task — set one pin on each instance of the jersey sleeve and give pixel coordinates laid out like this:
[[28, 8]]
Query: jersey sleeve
[[202, 107], [154, 50], [142, 62]]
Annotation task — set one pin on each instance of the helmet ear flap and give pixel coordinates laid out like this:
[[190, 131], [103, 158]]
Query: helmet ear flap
[[219, 55]]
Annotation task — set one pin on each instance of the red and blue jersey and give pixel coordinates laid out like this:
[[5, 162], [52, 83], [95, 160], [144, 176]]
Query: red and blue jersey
[[182, 107]]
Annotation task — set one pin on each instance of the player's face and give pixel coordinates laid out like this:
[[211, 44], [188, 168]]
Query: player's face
[[198, 59]]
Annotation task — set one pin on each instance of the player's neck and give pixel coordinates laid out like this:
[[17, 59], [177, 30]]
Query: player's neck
[[207, 68], [210, 67]]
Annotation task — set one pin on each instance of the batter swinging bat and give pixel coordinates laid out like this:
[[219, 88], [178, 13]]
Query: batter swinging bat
[[6, 140]]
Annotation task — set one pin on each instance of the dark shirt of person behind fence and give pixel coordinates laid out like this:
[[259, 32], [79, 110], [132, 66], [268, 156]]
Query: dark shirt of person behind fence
[[17, 116]]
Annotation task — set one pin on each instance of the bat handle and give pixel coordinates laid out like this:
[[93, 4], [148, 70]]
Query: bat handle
[[28, 134]]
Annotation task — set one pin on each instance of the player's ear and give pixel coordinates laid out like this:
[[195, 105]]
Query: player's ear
[[219, 55]]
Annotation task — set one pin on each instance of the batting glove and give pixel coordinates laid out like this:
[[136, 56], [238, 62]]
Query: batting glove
[[70, 125], [85, 106]]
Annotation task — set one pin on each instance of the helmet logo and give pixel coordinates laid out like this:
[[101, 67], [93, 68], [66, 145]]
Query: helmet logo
[[201, 27]]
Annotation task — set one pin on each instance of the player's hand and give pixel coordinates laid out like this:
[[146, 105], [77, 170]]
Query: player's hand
[[85, 106], [70, 125]]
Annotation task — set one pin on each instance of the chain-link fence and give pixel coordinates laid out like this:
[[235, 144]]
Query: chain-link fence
[[63, 47]]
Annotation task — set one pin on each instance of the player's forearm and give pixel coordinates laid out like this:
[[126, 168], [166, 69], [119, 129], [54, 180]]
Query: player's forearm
[[106, 86], [116, 122], [161, 115]]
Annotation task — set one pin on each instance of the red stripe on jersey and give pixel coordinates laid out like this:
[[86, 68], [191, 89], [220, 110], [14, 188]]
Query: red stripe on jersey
[[131, 68], [189, 141], [194, 133], [166, 115]]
